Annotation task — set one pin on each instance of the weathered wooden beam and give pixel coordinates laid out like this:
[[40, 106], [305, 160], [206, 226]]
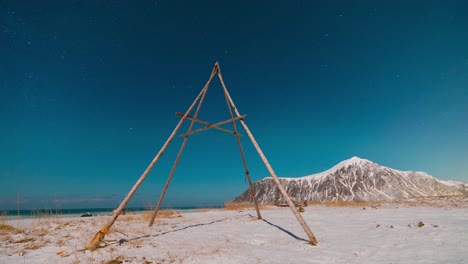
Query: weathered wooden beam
[[244, 162], [296, 213], [100, 235], [176, 162], [213, 126], [207, 123], [94, 243]]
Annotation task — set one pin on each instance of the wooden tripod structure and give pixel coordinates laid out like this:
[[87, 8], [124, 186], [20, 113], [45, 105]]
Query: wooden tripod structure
[[94, 243]]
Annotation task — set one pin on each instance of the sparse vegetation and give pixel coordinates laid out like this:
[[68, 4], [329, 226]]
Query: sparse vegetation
[[163, 214], [238, 206], [35, 245], [25, 240], [4, 228], [114, 261], [147, 216], [346, 204], [3, 217]]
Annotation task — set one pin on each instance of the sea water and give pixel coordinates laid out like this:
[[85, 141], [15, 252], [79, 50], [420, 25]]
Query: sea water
[[21, 214]]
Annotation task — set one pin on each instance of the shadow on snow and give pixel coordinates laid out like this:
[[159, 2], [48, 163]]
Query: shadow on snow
[[122, 241]]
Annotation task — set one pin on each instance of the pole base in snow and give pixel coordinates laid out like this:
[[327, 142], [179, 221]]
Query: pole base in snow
[[97, 239]]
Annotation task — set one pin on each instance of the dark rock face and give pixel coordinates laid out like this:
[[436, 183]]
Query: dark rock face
[[355, 180]]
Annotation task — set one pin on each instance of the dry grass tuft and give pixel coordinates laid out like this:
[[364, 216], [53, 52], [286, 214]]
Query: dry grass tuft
[[126, 218], [8, 239], [3, 215], [345, 204], [4, 228], [113, 261], [162, 214], [25, 240], [237, 206], [147, 216], [117, 260], [41, 232], [35, 246], [169, 214]]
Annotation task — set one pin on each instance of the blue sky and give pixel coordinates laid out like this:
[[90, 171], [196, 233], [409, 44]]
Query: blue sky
[[88, 92]]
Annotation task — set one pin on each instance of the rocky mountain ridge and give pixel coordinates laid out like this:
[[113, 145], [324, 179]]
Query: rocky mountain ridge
[[356, 179]]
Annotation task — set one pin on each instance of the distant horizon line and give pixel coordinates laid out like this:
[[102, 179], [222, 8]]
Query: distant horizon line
[[66, 211]]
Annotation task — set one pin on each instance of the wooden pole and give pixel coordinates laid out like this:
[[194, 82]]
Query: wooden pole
[[99, 237], [176, 162], [301, 221], [247, 175]]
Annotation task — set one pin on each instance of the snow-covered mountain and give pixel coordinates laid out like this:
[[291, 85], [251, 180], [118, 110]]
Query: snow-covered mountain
[[355, 179]]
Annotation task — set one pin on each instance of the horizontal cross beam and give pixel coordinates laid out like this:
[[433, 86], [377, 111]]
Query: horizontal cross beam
[[206, 123], [213, 126]]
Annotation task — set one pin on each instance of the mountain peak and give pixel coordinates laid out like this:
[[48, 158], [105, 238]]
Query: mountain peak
[[352, 161], [345, 163], [355, 158]]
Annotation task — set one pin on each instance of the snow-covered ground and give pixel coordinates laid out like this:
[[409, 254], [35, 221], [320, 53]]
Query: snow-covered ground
[[384, 234]]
